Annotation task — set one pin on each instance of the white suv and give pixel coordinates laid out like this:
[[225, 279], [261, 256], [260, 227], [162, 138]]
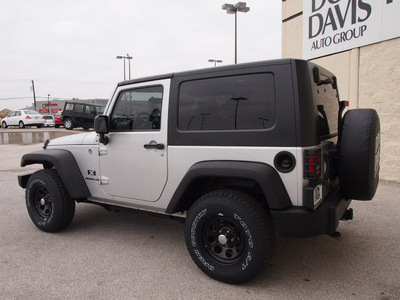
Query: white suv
[[22, 118], [238, 152]]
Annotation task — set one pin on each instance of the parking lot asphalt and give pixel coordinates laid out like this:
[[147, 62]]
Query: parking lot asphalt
[[104, 255]]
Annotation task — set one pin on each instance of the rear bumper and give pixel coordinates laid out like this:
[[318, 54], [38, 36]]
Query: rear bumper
[[33, 123], [300, 222]]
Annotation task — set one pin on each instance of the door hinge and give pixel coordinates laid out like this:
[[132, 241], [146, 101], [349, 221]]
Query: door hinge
[[104, 180], [102, 151]]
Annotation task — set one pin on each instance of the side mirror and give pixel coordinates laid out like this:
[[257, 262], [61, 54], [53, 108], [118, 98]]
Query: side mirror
[[101, 127]]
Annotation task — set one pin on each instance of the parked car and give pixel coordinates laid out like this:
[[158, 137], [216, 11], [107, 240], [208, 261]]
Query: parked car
[[80, 114], [58, 120], [48, 120], [23, 118]]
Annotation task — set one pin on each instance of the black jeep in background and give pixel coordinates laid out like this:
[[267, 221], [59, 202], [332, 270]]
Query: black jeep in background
[[80, 114]]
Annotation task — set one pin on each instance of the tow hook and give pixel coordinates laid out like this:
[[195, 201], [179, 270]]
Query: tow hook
[[348, 215]]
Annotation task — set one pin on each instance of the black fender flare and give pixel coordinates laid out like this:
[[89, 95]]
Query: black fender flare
[[264, 175], [66, 166]]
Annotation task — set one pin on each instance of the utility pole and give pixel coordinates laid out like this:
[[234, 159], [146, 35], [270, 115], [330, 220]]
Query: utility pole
[[34, 95]]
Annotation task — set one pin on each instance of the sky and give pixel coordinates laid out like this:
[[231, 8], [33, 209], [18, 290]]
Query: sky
[[69, 47]]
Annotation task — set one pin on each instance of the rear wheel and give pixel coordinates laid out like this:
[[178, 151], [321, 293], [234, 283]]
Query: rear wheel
[[21, 124], [48, 202], [229, 236], [359, 154]]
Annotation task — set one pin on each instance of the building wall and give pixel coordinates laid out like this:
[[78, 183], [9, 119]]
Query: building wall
[[379, 88], [369, 77]]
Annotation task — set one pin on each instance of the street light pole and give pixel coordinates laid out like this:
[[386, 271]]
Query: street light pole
[[129, 64], [233, 9], [34, 94], [48, 103], [215, 61]]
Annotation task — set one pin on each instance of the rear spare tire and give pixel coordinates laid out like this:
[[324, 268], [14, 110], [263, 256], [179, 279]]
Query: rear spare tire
[[359, 154]]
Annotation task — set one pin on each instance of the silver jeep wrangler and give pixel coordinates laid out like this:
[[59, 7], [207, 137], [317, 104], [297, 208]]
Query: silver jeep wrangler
[[237, 152]]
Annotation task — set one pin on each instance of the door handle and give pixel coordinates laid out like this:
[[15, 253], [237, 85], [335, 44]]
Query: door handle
[[154, 146]]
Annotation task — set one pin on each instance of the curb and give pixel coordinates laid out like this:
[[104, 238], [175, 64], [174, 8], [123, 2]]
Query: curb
[[32, 136]]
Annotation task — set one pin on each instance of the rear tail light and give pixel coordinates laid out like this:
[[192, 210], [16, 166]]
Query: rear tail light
[[312, 164], [27, 118]]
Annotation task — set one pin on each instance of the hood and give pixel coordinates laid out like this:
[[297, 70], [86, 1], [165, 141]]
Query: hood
[[89, 138]]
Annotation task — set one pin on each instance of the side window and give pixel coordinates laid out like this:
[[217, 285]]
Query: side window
[[138, 109], [100, 110], [79, 108], [12, 114], [241, 102], [90, 110], [18, 113]]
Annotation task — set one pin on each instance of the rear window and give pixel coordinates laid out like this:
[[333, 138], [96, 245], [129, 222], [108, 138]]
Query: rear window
[[244, 102], [31, 112], [327, 100]]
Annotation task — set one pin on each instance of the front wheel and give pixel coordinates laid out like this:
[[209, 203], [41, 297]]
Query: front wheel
[[229, 236], [4, 125], [48, 202], [68, 124]]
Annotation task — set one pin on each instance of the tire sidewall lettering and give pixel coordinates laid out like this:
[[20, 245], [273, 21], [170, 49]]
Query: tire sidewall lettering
[[203, 261], [196, 225], [246, 229], [193, 234]]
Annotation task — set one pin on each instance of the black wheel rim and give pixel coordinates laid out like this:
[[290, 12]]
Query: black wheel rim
[[223, 239], [42, 203]]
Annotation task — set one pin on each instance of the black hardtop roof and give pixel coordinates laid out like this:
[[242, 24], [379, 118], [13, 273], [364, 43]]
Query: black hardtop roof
[[210, 70]]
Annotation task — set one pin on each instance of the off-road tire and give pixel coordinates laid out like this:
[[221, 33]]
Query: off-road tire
[[229, 236], [359, 154], [48, 202]]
